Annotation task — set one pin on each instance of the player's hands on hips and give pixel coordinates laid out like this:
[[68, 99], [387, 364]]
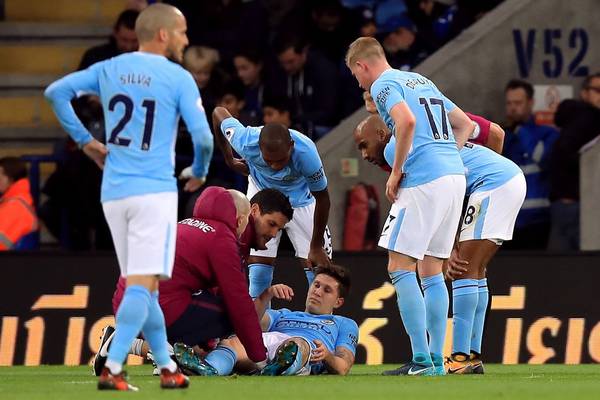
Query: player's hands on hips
[[96, 151], [392, 185], [281, 291], [317, 257], [319, 353], [240, 166], [456, 266], [193, 183]]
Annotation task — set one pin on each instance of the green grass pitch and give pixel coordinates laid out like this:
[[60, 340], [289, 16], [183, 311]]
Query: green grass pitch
[[544, 382]]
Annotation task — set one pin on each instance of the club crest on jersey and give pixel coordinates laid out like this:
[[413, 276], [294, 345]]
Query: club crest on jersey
[[328, 322], [229, 133]]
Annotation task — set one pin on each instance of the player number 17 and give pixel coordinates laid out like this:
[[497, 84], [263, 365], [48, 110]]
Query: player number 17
[[434, 128]]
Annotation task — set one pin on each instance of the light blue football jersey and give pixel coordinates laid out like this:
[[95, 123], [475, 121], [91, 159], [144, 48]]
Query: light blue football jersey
[[485, 169], [433, 153], [332, 330], [143, 96], [303, 174]]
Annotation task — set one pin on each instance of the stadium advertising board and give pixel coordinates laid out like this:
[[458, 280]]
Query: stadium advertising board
[[544, 308]]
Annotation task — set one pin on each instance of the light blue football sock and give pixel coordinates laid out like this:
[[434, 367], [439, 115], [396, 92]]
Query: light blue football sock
[[437, 301], [260, 277], [464, 303], [412, 311], [155, 332], [222, 359], [310, 276], [130, 318], [479, 321]]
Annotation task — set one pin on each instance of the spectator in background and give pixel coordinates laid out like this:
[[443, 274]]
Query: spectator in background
[[310, 82], [350, 94], [17, 213], [249, 68], [330, 30], [122, 40], [232, 98], [222, 24], [403, 48], [202, 62], [529, 145], [278, 111], [426, 15], [579, 123]]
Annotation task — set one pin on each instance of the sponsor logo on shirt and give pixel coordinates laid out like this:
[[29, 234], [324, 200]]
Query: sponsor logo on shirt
[[317, 176], [353, 339], [196, 223], [299, 324], [383, 96]]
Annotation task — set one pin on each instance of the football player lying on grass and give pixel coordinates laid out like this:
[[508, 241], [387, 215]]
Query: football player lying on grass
[[306, 342]]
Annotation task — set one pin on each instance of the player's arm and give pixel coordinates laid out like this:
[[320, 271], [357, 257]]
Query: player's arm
[[312, 169], [342, 359], [495, 139], [461, 126], [261, 303], [60, 93], [404, 121], [192, 111], [340, 362], [238, 165], [231, 280]]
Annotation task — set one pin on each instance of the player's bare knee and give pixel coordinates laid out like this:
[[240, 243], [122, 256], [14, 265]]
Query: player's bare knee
[[397, 261]]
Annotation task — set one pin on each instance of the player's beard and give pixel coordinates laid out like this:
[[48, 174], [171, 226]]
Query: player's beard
[[174, 54]]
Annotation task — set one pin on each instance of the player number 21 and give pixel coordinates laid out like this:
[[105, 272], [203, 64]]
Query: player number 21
[[149, 105], [434, 128]]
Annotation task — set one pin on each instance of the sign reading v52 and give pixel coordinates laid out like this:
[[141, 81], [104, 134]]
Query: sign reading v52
[[556, 45]]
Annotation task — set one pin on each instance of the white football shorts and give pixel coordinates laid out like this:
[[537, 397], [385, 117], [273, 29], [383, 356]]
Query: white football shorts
[[423, 220], [299, 230], [144, 229], [492, 214]]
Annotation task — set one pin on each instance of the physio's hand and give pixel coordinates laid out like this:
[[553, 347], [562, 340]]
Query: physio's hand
[[193, 183], [96, 151]]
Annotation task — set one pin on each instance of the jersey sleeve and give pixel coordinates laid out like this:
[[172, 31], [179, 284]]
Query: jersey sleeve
[[238, 135], [482, 129], [312, 169], [348, 335], [387, 94], [60, 94], [192, 111]]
